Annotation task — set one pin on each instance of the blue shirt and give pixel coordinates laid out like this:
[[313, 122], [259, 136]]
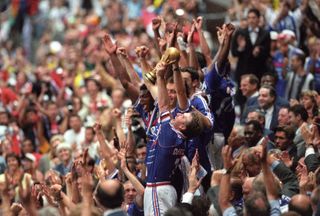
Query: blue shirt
[[134, 210], [220, 89], [164, 153]]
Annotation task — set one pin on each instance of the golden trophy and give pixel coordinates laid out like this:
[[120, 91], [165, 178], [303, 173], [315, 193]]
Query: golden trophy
[[170, 56]]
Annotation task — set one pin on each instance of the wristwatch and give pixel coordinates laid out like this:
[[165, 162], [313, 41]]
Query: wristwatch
[[226, 171]]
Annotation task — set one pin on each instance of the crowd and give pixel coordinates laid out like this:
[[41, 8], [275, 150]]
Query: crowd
[[123, 108]]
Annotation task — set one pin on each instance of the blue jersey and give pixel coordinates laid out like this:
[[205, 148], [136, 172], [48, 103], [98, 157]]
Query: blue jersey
[[134, 210], [313, 66], [201, 142], [220, 89], [149, 118], [165, 151], [278, 63]]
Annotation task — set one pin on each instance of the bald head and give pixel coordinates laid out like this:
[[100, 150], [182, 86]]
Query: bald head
[[301, 204], [110, 194], [247, 186]]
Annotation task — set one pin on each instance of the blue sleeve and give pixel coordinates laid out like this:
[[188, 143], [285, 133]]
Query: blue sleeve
[[138, 107], [275, 208], [231, 211], [212, 79]]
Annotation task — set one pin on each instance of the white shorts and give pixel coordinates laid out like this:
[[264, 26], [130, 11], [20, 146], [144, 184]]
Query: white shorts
[[158, 198]]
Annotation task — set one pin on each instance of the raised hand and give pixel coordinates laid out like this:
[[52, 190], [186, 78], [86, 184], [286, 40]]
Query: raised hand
[[109, 46], [227, 158], [97, 127], [230, 29], [128, 117], [156, 23], [142, 51], [121, 51], [221, 34], [161, 69], [191, 33], [198, 23], [194, 182]]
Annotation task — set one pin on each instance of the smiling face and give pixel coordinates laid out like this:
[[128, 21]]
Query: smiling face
[[12, 163], [181, 120], [64, 155], [130, 192], [265, 100]]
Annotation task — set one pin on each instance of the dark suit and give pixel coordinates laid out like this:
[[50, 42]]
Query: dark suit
[[247, 63], [288, 178], [274, 119], [312, 162]]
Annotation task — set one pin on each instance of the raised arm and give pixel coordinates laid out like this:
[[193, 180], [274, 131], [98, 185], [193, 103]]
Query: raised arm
[[225, 186], [122, 54], [180, 88], [193, 61], [124, 78], [106, 151], [163, 98], [156, 23], [203, 42]]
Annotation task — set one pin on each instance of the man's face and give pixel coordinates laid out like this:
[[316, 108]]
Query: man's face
[[52, 111], [295, 63], [293, 119], [4, 119], [171, 88], [246, 87], [253, 20], [141, 153], [64, 155], [264, 99], [27, 146], [283, 116], [117, 98], [252, 136], [130, 192], [281, 140], [145, 100], [268, 80], [251, 167], [89, 135], [181, 120], [75, 123]]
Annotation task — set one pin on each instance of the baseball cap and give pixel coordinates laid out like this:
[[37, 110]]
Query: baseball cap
[[63, 145], [30, 157]]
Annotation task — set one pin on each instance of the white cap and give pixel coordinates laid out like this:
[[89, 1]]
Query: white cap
[[274, 35], [63, 145], [289, 33], [30, 156]]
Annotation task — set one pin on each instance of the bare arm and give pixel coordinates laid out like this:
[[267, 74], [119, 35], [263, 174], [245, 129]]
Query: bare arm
[[106, 151], [203, 42], [122, 53], [163, 98], [180, 88], [121, 72], [225, 186], [156, 23], [193, 61]]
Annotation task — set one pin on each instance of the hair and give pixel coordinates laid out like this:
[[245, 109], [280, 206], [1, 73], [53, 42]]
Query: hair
[[253, 79], [91, 128], [301, 56], [255, 11], [290, 213], [98, 84], [13, 155], [305, 210], [272, 91], [201, 59], [299, 110], [194, 127], [169, 80], [110, 201], [254, 206], [178, 211], [313, 95], [289, 131], [256, 125], [192, 71]]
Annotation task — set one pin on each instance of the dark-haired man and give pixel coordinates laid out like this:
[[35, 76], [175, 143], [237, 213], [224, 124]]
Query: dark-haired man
[[251, 45], [266, 103], [298, 117]]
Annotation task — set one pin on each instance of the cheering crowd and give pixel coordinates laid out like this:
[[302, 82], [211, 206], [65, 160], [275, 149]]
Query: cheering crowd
[[129, 107]]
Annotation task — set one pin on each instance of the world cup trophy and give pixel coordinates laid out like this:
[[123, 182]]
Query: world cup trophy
[[170, 56]]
